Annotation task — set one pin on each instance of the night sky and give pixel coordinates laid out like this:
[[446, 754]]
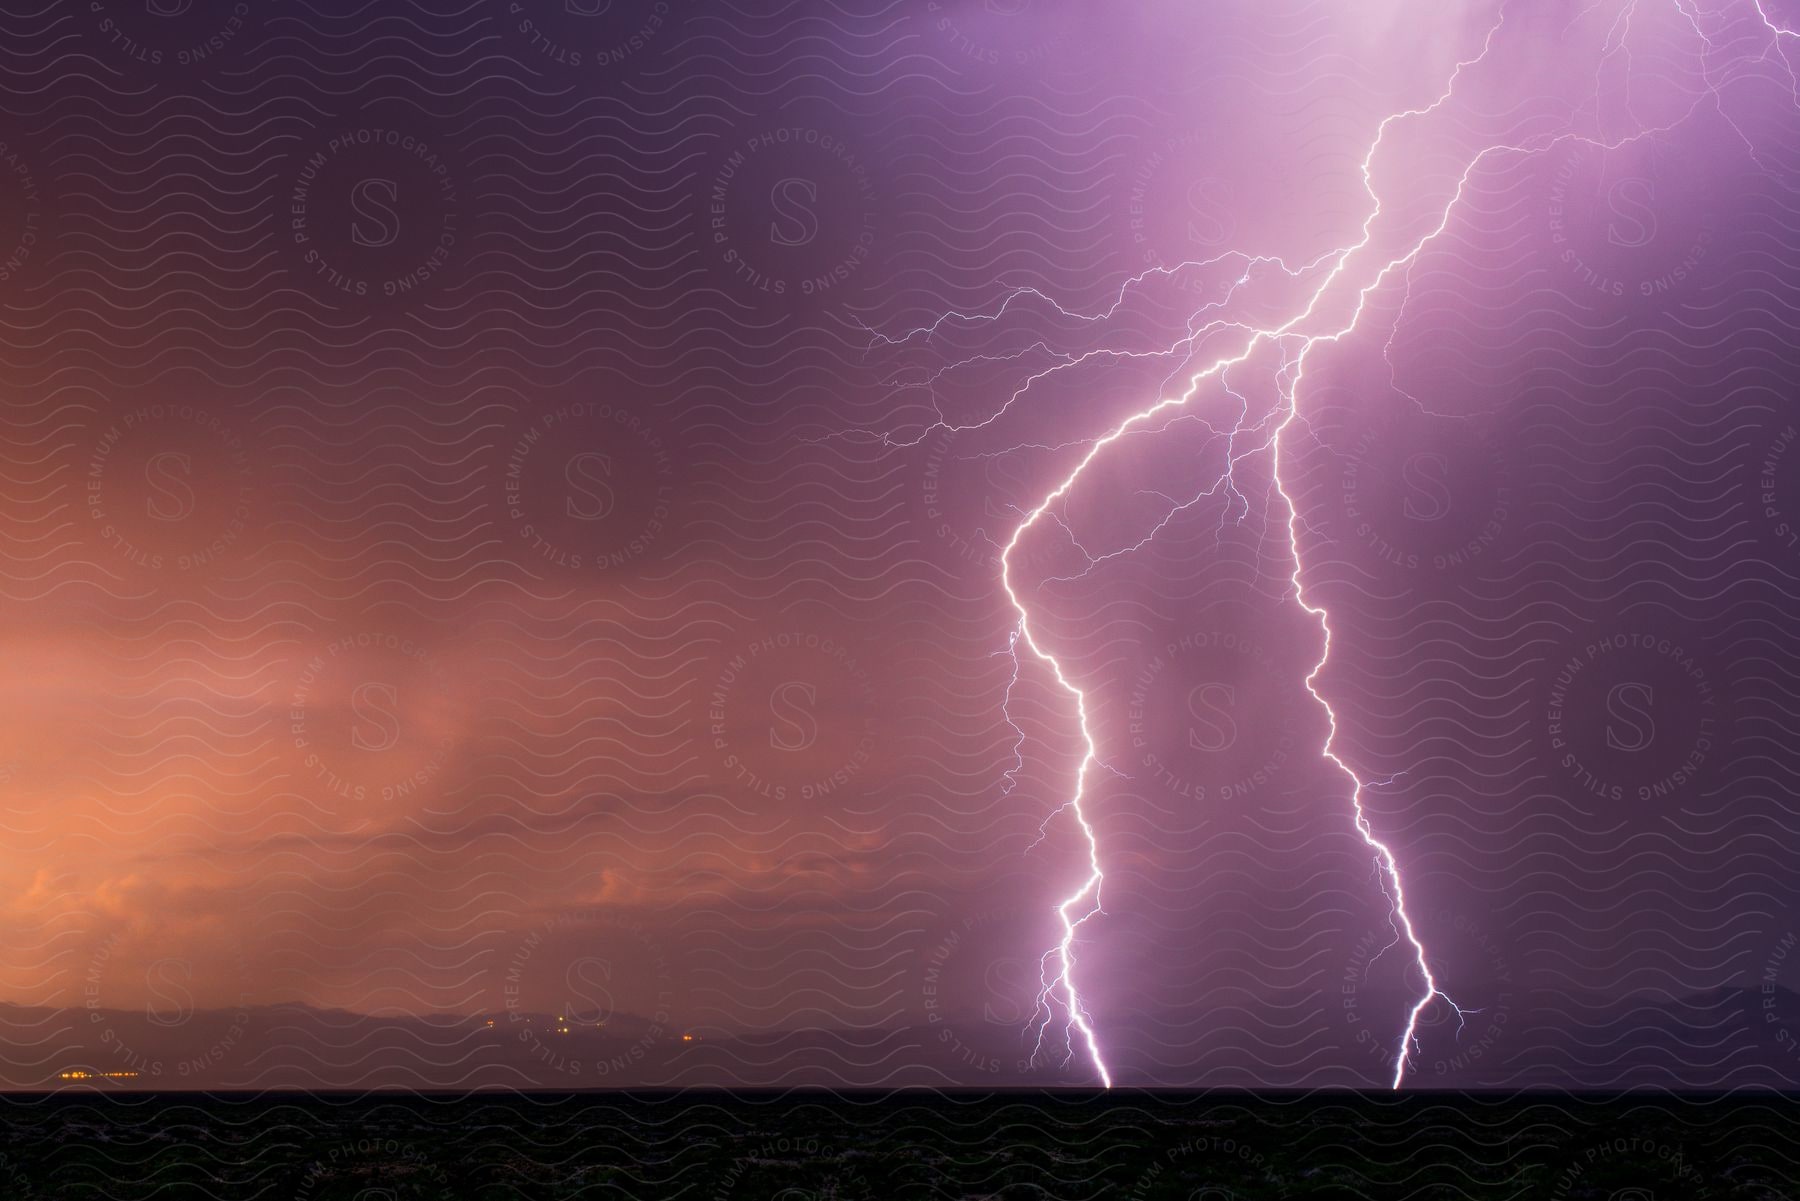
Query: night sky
[[505, 501]]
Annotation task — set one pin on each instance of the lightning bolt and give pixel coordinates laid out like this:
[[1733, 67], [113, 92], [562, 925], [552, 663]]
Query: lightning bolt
[[1293, 344]]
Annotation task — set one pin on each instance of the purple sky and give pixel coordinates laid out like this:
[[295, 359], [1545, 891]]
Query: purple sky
[[505, 513]]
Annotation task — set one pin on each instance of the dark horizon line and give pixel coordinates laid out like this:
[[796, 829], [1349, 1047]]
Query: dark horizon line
[[1094, 1091]]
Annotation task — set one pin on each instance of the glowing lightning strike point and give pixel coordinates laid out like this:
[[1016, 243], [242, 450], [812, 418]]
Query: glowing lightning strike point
[[1090, 888], [1084, 902]]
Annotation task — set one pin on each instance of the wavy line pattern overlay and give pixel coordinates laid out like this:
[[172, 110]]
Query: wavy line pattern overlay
[[526, 523]]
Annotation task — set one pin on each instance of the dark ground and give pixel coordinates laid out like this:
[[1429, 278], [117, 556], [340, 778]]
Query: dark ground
[[800, 1146]]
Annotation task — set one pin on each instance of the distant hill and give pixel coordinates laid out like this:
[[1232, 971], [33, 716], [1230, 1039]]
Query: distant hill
[[1723, 1038]]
